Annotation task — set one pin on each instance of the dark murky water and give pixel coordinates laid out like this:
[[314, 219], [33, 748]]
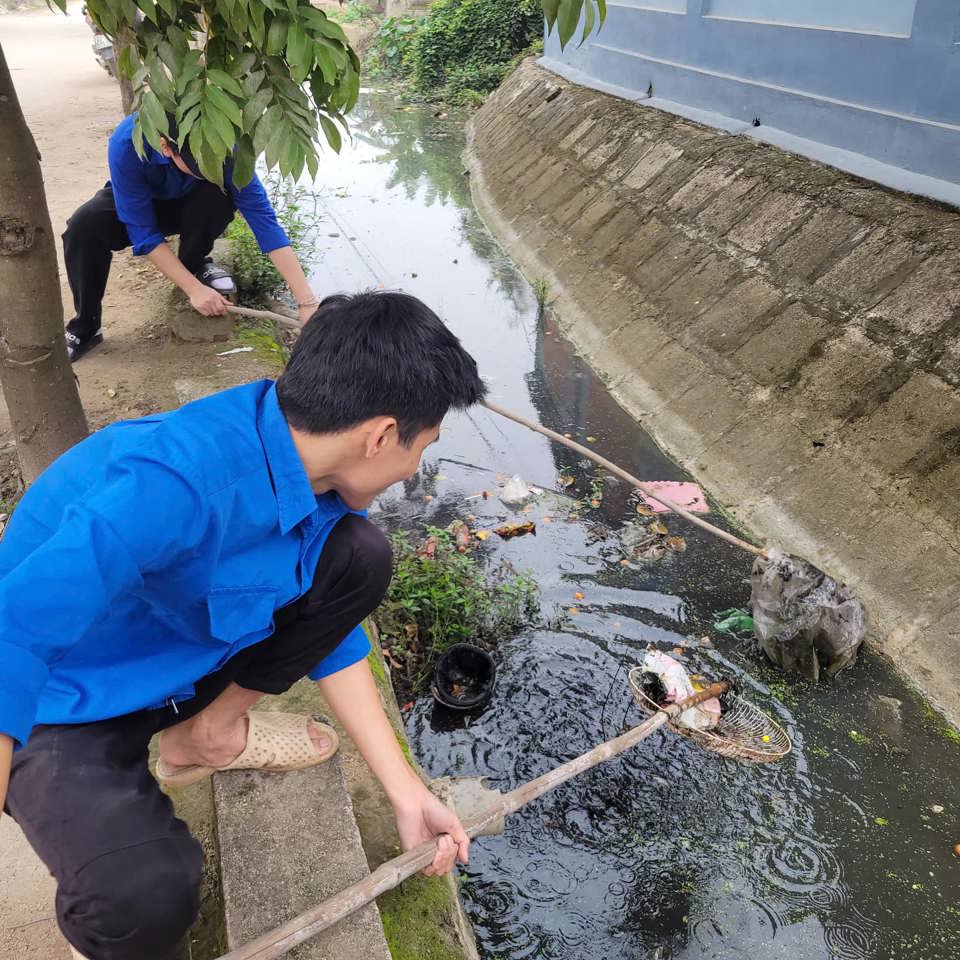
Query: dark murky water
[[668, 851]]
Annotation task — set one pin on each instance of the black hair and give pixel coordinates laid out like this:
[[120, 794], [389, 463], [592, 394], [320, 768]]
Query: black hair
[[373, 354]]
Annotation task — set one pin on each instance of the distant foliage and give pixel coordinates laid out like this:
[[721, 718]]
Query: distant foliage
[[461, 49]]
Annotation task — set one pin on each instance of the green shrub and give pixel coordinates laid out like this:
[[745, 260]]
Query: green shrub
[[254, 274], [393, 39], [440, 596], [462, 49], [471, 42]]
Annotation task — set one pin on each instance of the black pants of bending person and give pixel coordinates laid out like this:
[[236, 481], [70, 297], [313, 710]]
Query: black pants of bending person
[[95, 231], [128, 872]]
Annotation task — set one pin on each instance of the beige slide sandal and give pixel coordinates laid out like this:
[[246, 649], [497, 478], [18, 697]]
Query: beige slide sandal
[[276, 742]]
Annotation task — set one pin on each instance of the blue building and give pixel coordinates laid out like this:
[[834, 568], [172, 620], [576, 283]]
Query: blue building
[[870, 86]]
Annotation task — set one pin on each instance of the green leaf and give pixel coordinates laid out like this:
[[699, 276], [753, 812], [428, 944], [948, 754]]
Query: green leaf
[[550, 8], [331, 132], [325, 62], [169, 57], [336, 52], [225, 104], [590, 19], [252, 83], [320, 23], [160, 83], [277, 36], [243, 64], [258, 30], [244, 162], [138, 137], [299, 53], [568, 18], [191, 69], [185, 125], [149, 9], [206, 159], [211, 136], [267, 129], [275, 144], [313, 164], [602, 10], [224, 81], [253, 109], [169, 7], [225, 129], [152, 112], [191, 99]]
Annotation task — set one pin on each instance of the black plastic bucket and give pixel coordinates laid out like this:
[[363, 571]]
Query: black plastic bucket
[[464, 677]]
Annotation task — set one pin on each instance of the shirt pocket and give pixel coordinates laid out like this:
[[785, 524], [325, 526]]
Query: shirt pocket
[[241, 613]]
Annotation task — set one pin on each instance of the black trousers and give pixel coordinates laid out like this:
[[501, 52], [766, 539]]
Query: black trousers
[[95, 231], [128, 872]]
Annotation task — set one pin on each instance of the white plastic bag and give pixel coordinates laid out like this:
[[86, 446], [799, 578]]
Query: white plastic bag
[[677, 685]]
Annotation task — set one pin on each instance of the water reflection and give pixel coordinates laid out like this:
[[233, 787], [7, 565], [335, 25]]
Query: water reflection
[[668, 851]]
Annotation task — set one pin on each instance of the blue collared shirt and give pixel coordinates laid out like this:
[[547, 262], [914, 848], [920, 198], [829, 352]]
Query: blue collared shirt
[[138, 181], [150, 553]]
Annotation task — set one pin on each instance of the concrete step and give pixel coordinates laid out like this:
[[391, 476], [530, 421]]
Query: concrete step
[[287, 842]]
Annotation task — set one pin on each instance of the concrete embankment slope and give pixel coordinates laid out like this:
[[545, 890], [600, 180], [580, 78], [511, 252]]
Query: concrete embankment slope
[[788, 332]]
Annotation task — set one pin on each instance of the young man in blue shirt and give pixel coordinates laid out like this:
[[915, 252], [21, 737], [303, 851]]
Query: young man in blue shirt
[[167, 572], [148, 199]]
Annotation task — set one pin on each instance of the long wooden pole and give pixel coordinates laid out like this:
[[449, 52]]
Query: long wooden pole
[[284, 938], [629, 477], [608, 465]]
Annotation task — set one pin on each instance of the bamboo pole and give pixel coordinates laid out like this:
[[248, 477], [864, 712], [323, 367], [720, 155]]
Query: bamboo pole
[[291, 324], [284, 938], [629, 477]]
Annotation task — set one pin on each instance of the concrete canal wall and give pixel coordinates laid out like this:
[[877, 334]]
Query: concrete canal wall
[[788, 332]]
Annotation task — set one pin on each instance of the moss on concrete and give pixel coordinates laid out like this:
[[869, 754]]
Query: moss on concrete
[[416, 921], [265, 344]]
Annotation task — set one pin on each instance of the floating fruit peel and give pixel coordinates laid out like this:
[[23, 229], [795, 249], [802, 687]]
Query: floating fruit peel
[[511, 530]]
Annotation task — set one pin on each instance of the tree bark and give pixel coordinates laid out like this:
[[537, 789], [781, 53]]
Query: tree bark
[[38, 384], [126, 94]]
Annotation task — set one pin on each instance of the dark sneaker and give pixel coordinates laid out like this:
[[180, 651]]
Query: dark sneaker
[[216, 277], [78, 346]]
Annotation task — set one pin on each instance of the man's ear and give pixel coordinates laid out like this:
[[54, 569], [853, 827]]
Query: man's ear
[[165, 147], [382, 433]]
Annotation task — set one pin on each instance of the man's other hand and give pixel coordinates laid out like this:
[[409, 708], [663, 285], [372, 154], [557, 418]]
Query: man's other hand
[[207, 301], [420, 817]]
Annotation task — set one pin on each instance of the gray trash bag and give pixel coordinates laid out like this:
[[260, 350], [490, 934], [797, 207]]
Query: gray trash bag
[[805, 621]]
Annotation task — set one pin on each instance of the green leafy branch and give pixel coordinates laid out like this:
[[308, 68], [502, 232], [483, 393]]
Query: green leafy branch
[[246, 78], [240, 77]]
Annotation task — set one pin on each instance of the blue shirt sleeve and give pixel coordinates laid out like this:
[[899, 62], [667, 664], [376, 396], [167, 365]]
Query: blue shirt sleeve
[[254, 204], [51, 598], [132, 195], [352, 649]]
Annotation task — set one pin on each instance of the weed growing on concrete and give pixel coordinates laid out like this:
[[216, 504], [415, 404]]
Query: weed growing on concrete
[[541, 290], [440, 595]]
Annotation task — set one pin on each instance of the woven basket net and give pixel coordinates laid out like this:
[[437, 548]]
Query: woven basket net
[[743, 731]]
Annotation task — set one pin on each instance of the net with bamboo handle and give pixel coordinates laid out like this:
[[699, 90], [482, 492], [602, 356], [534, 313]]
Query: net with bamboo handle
[[275, 943]]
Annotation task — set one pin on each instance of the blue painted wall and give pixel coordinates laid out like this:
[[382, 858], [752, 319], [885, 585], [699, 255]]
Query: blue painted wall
[[876, 78]]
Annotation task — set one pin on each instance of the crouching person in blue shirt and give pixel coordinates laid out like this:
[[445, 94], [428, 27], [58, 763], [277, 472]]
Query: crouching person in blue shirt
[[150, 198], [166, 573]]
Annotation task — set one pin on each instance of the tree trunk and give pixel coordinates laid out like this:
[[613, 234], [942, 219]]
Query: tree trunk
[[126, 87], [38, 384]]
